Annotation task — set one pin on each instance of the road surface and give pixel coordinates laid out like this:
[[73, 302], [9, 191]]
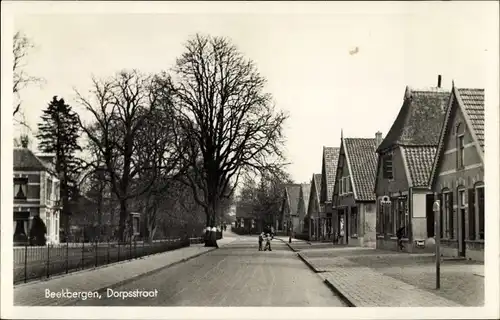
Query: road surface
[[234, 275]]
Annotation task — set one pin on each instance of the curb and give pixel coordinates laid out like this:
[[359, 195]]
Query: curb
[[308, 263], [289, 246], [134, 278], [339, 293], [328, 283]]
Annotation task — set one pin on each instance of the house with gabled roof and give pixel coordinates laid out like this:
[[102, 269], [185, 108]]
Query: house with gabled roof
[[328, 173], [353, 193], [405, 158], [314, 207], [289, 207], [457, 175], [36, 193], [305, 191]]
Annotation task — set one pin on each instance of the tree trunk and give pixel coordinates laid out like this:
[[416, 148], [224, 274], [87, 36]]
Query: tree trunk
[[123, 220], [210, 231]]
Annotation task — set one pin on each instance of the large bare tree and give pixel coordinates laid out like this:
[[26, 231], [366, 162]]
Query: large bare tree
[[226, 119], [21, 79], [129, 135]]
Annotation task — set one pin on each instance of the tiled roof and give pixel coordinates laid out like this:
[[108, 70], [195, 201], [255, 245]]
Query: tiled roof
[[306, 191], [317, 184], [25, 159], [363, 163], [293, 193], [420, 119], [420, 161], [330, 161], [473, 102]]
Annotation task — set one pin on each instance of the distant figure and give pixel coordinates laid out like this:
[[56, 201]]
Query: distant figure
[[261, 239], [225, 227], [268, 243], [399, 234]]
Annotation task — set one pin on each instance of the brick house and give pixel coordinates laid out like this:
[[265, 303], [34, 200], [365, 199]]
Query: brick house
[[405, 159], [458, 175], [314, 207], [289, 207], [305, 191], [36, 192], [353, 197], [328, 173]]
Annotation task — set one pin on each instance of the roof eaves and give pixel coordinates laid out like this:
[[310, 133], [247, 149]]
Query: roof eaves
[[440, 146], [351, 178], [405, 165], [469, 124]]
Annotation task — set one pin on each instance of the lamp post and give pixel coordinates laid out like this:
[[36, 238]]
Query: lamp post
[[437, 234]]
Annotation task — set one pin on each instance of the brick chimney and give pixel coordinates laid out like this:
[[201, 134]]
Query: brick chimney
[[378, 139], [439, 81]]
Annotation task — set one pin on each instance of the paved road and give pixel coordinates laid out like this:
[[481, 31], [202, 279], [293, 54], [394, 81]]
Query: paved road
[[235, 275]]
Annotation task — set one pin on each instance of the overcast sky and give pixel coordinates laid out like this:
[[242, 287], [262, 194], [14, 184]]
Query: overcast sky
[[307, 56]]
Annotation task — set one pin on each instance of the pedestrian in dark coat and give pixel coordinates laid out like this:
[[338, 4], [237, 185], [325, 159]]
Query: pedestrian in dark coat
[[399, 235]]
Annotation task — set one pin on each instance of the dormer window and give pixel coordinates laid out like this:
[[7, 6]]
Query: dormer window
[[20, 188], [387, 166]]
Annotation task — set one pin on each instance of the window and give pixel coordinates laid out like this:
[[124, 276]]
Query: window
[[342, 186], [387, 166], [354, 221], [20, 188], [460, 145], [402, 217], [480, 210], [451, 216], [394, 215], [348, 184], [380, 217], [447, 214], [49, 189], [472, 214]]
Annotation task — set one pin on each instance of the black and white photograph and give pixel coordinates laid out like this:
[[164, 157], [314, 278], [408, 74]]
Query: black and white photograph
[[326, 159]]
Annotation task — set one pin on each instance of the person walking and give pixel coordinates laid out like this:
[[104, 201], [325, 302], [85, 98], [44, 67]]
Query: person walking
[[399, 235], [268, 243]]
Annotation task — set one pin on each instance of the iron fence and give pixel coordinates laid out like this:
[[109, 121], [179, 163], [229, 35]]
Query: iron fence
[[37, 262]]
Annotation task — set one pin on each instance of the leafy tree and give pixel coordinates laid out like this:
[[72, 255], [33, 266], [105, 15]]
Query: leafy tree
[[226, 120], [58, 133]]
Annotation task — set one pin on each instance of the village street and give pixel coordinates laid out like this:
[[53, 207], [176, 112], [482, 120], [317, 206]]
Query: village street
[[234, 275]]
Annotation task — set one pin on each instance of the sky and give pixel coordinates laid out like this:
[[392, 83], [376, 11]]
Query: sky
[[332, 66]]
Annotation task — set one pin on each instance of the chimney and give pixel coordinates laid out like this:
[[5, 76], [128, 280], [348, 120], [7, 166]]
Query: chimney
[[439, 81], [378, 139]]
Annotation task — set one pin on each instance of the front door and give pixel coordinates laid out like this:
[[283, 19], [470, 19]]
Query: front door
[[429, 213]]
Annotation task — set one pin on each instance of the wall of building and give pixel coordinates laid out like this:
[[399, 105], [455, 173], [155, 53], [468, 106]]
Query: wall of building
[[449, 178], [399, 181]]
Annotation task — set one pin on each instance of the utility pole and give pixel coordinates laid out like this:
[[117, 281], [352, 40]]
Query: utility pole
[[437, 234]]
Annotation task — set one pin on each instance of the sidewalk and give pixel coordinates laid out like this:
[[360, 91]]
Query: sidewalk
[[367, 277], [33, 293]]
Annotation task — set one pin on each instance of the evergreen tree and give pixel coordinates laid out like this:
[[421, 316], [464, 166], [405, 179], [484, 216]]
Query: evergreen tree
[[58, 133]]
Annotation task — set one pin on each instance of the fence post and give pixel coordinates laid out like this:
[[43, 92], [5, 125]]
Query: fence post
[[96, 248], [135, 248], [67, 255], [48, 260], [108, 253], [118, 251], [25, 262], [83, 253]]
